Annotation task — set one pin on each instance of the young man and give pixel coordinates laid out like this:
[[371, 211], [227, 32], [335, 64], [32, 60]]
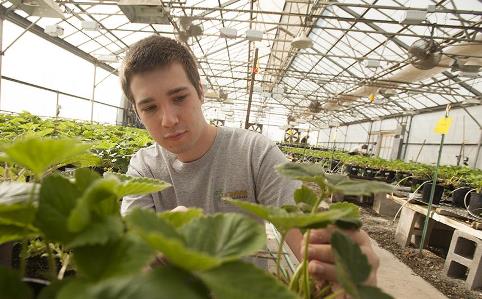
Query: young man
[[202, 163]]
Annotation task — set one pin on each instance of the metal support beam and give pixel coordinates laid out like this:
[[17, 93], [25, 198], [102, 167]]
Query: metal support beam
[[478, 150], [473, 118], [24, 23], [253, 75]]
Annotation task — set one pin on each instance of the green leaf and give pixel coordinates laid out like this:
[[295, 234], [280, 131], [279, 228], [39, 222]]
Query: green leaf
[[40, 154], [9, 232], [178, 218], [20, 214], [146, 221], [204, 242], [305, 195], [11, 286], [347, 186], [137, 185], [238, 280], [352, 219], [16, 192], [160, 235], [57, 199], [52, 290], [99, 231], [227, 236], [284, 221], [127, 255], [84, 177], [352, 267], [99, 199], [161, 283], [304, 172], [367, 292]]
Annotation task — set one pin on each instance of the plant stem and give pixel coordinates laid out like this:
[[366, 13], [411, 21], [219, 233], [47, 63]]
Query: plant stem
[[306, 281], [65, 264], [280, 251], [23, 259], [52, 265], [325, 289], [306, 275], [335, 294]]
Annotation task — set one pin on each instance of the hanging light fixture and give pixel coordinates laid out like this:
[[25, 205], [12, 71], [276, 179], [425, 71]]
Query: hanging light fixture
[[302, 41]]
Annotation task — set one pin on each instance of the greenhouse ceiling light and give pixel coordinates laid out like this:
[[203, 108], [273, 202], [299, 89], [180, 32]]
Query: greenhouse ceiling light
[[145, 11], [54, 30], [302, 41], [39, 8]]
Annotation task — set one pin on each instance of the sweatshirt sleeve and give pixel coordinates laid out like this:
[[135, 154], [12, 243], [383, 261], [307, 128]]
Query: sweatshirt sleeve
[[272, 188], [131, 202]]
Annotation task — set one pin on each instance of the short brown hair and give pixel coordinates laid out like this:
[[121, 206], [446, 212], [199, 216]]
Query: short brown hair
[[155, 52]]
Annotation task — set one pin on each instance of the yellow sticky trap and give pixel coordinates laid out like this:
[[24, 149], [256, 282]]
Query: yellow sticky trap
[[443, 125]]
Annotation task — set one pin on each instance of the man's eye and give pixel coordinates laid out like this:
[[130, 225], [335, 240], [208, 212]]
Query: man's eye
[[149, 108], [180, 98]]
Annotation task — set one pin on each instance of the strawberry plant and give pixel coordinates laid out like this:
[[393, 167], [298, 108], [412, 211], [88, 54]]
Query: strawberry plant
[[77, 217]]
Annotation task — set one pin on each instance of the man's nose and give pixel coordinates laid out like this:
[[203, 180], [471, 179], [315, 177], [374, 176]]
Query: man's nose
[[169, 117]]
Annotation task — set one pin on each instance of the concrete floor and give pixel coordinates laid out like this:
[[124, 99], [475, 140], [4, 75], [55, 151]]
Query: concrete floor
[[398, 280]]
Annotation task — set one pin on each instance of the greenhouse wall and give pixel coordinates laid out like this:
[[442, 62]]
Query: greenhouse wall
[[347, 137], [35, 80]]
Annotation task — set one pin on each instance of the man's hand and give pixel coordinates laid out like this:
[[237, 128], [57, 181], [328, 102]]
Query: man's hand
[[321, 259], [179, 209]]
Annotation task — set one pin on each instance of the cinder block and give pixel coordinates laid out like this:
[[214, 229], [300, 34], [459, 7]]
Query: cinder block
[[384, 206], [410, 227], [464, 259]]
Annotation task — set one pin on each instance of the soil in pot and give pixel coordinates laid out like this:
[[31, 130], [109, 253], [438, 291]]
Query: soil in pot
[[458, 196], [427, 188], [475, 206]]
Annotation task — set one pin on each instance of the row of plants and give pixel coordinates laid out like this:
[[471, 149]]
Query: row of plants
[[114, 145], [451, 177], [93, 252]]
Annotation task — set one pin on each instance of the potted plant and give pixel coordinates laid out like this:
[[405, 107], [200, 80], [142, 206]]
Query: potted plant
[[475, 206], [109, 254]]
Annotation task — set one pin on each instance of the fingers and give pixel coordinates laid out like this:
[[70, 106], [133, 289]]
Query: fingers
[[324, 253], [321, 252], [321, 255], [323, 236], [322, 271], [179, 209]]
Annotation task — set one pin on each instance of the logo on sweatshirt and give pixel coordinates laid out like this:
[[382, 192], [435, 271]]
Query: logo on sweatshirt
[[242, 194]]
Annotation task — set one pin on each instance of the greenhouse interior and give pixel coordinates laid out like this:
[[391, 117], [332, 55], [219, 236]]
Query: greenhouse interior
[[240, 149]]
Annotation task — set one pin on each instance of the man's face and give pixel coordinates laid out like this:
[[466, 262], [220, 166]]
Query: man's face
[[170, 108]]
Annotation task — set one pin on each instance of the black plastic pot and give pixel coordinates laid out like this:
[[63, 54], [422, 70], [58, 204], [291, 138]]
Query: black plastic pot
[[389, 175], [335, 164], [352, 170], [458, 197], [403, 175], [415, 182], [427, 188], [370, 172], [475, 206], [37, 285]]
